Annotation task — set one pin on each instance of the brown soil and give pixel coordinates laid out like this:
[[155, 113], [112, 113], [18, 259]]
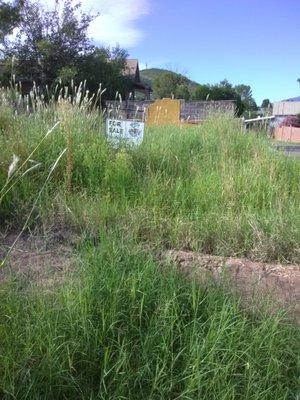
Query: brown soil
[[36, 259], [272, 285]]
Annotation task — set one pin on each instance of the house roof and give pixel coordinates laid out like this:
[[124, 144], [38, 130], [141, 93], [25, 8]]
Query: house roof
[[132, 69], [293, 99]]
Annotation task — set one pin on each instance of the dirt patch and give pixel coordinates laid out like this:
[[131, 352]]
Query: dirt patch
[[254, 282], [36, 259]]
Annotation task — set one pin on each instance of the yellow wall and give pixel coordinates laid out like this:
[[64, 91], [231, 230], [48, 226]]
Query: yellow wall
[[163, 112]]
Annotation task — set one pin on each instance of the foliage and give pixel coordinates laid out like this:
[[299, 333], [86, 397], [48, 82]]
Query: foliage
[[53, 46], [245, 92], [171, 84], [66, 74], [221, 91], [241, 94], [49, 40], [291, 120], [149, 75], [182, 92], [9, 17], [104, 66], [265, 103]]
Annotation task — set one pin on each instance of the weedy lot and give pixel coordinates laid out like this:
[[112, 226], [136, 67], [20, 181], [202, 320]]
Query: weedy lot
[[124, 324]]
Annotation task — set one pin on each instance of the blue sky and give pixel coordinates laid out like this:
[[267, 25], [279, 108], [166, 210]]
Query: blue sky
[[255, 42]]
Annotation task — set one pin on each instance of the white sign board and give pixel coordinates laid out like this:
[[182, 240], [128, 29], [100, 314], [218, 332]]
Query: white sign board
[[124, 131]]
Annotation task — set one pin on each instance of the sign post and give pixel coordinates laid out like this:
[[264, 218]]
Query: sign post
[[128, 132]]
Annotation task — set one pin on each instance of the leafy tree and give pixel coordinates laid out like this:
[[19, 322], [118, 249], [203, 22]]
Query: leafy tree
[[241, 94], [171, 84], [53, 46], [9, 17], [182, 91], [49, 41], [218, 91], [105, 66], [66, 74], [265, 103], [221, 91], [225, 83], [245, 92], [202, 92]]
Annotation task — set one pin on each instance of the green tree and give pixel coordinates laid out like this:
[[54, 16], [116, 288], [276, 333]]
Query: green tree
[[53, 46], [202, 92], [245, 92], [171, 84], [265, 103], [105, 66], [182, 91], [220, 91], [49, 41], [9, 17]]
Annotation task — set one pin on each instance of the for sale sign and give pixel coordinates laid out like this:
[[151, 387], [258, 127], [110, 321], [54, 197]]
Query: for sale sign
[[124, 131]]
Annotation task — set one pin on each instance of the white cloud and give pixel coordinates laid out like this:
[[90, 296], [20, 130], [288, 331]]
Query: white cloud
[[116, 22]]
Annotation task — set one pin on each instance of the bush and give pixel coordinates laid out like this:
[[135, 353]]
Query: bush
[[291, 120]]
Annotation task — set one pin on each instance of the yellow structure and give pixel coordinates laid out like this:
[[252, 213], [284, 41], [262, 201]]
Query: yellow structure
[[164, 112]]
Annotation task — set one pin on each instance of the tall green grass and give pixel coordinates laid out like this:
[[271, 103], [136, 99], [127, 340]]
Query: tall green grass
[[127, 328], [210, 188], [123, 324]]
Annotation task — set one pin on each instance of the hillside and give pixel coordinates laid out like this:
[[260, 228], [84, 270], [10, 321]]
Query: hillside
[[148, 76]]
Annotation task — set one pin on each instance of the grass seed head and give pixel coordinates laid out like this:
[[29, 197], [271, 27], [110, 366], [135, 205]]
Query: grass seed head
[[13, 166]]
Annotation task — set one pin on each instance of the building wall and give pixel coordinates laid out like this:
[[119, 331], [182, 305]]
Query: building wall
[[199, 110], [286, 108], [189, 110], [128, 109]]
